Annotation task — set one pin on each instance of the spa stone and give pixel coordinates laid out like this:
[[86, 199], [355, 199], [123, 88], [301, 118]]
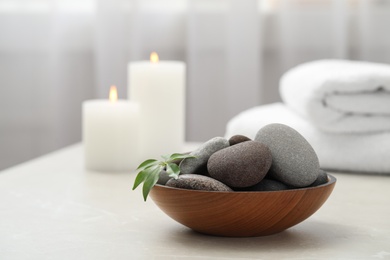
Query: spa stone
[[241, 165], [321, 179], [197, 182], [268, 185], [198, 164], [163, 178], [294, 161], [236, 139]]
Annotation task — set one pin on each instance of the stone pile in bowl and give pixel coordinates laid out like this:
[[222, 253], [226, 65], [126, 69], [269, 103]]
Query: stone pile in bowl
[[279, 158]]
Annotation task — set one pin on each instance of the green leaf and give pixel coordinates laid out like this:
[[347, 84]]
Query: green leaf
[[142, 175], [150, 171], [177, 156], [165, 157], [173, 170], [147, 163], [150, 181]]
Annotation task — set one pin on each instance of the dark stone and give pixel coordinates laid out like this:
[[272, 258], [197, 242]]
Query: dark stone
[[236, 139], [197, 182], [241, 165], [198, 164], [294, 161], [268, 185], [163, 178], [321, 179]]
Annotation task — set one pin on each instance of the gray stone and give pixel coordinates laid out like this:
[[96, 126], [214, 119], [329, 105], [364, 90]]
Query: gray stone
[[321, 179], [240, 165], [197, 182], [236, 139], [294, 161], [268, 185], [163, 178], [198, 165]]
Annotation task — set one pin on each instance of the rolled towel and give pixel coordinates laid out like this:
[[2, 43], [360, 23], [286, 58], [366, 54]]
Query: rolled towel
[[339, 95], [366, 153]]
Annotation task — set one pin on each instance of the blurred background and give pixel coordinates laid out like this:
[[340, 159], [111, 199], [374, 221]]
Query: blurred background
[[54, 54]]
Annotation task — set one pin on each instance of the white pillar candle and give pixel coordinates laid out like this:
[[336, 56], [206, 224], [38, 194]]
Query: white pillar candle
[[159, 89], [110, 134]]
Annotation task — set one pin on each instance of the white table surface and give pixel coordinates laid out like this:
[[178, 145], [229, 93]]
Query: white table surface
[[51, 208]]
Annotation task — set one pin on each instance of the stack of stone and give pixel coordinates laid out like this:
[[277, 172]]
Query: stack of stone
[[279, 158]]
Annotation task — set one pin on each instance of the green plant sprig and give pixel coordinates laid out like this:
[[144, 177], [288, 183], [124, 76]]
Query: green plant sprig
[[149, 171]]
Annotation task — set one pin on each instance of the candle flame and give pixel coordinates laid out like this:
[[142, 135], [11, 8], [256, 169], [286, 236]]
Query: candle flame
[[113, 96], [154, 57]]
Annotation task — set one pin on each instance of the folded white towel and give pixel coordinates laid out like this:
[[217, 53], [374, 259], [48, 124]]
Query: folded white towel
[[338, 152], [339, 95]]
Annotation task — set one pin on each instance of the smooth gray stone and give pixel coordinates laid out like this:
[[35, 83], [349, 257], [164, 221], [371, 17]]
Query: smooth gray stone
[[163, 178], [197, 182], [321, 179], [198, 164], [294, 161], [240, 165]]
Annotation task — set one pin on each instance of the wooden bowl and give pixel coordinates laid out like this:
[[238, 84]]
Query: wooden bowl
[[241, 214]]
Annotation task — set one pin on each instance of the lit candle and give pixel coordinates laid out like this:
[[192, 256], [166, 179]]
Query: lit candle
[[110, 134], [159, 89]]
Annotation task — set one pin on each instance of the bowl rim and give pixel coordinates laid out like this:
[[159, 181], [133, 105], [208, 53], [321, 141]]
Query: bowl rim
[[331, 180]]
